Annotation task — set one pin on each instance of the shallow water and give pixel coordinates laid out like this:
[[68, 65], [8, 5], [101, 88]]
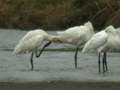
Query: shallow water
[[52, 65]]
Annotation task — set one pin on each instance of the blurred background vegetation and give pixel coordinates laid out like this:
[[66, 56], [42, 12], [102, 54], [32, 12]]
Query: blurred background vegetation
[[58, 14]]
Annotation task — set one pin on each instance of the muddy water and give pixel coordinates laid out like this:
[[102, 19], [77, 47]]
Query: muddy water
[[52, 65]]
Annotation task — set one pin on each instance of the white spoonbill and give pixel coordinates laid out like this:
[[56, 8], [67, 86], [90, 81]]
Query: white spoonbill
[[103, 41], [31, 42], [77, 36]]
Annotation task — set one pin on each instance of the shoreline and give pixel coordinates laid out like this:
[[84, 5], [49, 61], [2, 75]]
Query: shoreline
[[60, 85]]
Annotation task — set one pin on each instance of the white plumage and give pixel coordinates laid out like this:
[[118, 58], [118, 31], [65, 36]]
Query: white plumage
[[95, 42], [77, 36], [106, 40], [113, 42], [31, 41]]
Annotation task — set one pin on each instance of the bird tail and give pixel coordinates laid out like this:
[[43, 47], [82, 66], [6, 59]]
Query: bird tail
[[16, 50]]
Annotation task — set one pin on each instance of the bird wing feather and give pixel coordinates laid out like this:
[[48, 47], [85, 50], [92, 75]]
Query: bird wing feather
[[95, 42], [28, 45]]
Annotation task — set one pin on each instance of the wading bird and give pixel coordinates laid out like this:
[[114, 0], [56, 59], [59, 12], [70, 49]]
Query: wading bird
[[105, 41], [77, 35], [31, 42]]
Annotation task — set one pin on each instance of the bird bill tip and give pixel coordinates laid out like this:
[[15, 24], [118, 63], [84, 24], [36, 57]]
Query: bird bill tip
[[57, 39]]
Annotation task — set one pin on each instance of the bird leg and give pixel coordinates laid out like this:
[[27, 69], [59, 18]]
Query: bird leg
[[105, 68], [31, 61], [40, 51], [105, 62], [76, 52], [99, 63]]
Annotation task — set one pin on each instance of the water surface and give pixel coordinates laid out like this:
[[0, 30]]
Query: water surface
[[52, 65]]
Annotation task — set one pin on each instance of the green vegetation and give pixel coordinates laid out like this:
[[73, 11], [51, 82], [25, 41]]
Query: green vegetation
[[58, 14]]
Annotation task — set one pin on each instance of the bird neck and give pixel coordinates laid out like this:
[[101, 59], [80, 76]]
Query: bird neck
[[49, 37]]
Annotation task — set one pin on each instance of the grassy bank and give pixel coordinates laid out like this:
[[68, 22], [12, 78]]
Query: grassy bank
[[58, 14]]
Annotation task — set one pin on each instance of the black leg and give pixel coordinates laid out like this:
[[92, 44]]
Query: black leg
[[76, 52], [40, 52], [99, 63], [31, 61], [106, 66], [104, 62]]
